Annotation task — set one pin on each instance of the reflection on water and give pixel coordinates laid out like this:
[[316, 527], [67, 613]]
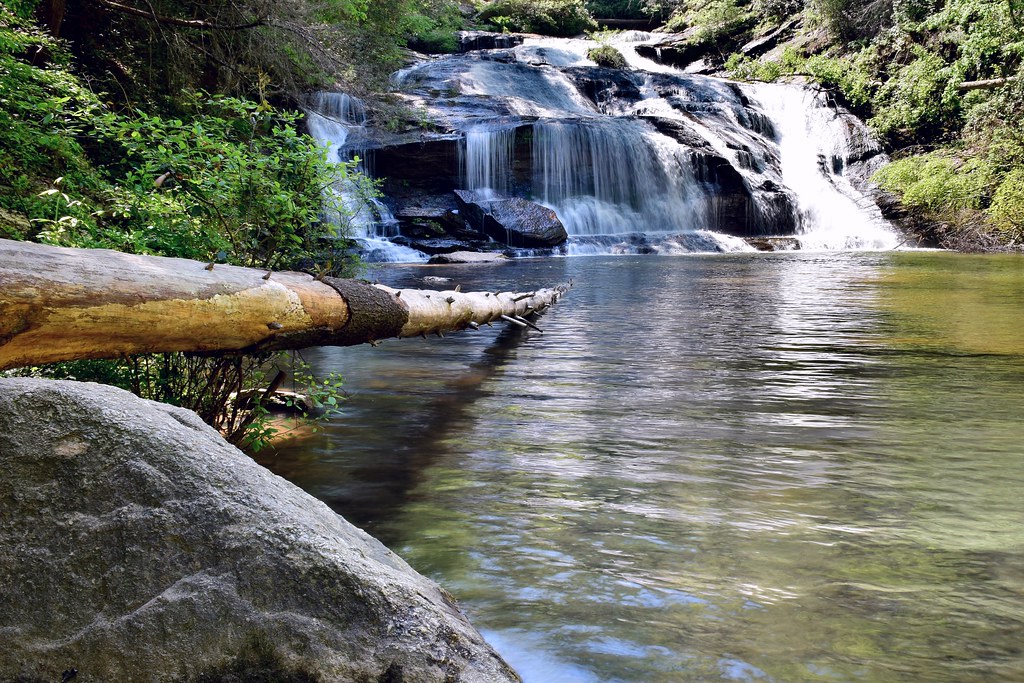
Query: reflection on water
[[788, 467]]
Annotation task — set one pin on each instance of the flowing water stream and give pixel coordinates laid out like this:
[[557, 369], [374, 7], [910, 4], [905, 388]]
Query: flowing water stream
[[740, 467], [801, 466]]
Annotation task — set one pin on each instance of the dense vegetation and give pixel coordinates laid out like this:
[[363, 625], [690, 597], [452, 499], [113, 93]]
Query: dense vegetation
[[150, 169]]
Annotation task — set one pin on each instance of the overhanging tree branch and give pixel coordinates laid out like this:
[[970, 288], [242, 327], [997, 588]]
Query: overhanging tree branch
[[59, 304]]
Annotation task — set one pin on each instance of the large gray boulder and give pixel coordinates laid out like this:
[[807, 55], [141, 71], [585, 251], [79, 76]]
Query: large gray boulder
[[136, 545], [513, 221]]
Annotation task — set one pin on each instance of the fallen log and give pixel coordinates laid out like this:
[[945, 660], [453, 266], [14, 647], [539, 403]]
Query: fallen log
[[987, 84], [60, 304]]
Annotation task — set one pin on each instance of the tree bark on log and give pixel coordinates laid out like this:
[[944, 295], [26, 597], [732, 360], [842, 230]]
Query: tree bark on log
[[60, 304]]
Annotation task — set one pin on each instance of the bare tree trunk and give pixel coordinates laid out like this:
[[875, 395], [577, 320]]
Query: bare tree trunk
[[51, 15], [60, 304]]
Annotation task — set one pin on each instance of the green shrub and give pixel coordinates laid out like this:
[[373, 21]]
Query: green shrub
[[920, 99], [606, 55], [234, 176], [43, 114], [618, 9], [1007, 209], [432, 27], [937, 183], [547, 17], [848, 77], [714, 20], [777, 9]]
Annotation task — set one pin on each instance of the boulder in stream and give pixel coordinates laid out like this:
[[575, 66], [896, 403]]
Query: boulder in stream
[[514, 221], [139, 546]]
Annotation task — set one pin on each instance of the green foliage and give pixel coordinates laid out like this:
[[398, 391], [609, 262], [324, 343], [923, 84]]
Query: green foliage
[[852, 77], [938, 183], [225, 391], [606, 55], [743, 68], [547, 17], [987, 40], [853, 19], [233, 176], [714, 20], [431, 27], [777, 9], [920, 99], [618, 9], [43, 113], [835, 15], [1007, 209]]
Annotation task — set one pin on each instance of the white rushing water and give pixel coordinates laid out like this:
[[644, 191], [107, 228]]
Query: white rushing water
[[334, 119], [812, 137]]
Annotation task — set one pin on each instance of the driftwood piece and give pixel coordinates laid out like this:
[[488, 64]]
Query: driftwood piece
[[59, 304], [987, 84]]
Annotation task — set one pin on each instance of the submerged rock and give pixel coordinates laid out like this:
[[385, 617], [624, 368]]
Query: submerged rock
[[139, 546], [514, 221], [774, 243], [469, 257]]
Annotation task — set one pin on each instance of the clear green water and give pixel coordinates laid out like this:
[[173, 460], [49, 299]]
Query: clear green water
[[785, 467]]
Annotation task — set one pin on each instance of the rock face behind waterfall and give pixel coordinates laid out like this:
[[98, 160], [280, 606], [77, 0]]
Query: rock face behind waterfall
[[139, 546]]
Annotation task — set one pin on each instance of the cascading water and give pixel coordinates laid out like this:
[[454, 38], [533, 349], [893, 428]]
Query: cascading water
[[687, 162], [339, 121], [814, 143], [606, 179], [486, 160]]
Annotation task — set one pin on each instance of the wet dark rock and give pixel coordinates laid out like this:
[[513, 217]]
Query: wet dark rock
[[513, 221], [681, 132], [774, 243], [603, 85], [680, 54], [442, 245], [863, 154], [139, 546], [414, 169], [434, 222], [485, 40]]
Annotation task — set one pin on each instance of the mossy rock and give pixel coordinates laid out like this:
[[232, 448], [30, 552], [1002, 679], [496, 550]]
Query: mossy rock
[[606, 55]]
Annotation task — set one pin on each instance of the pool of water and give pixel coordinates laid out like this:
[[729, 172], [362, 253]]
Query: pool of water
[[777, 467]]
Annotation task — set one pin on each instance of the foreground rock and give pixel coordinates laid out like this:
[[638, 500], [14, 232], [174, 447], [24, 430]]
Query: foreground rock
[[139, 546]]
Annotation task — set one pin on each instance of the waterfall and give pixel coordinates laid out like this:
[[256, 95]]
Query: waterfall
[[338, 121], [815, 144], [643, 159], [486, 159], [606, 177]]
